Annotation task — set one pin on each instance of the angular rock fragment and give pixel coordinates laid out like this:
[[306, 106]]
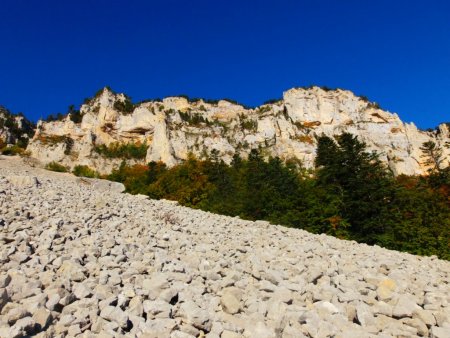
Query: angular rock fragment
[[42, 317], [114, 314]]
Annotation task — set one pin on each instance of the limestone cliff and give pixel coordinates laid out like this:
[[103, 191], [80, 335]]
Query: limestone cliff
[[14, 128], [174, 127]]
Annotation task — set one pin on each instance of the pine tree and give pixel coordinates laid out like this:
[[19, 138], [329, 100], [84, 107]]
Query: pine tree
[[359, 180], [433, 156]]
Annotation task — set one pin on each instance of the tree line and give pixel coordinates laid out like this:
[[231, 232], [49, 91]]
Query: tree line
[[350, 194]]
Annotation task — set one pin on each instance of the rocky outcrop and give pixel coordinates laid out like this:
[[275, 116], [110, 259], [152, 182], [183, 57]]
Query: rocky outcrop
[[174, 127], [14, 128], [80, 259]]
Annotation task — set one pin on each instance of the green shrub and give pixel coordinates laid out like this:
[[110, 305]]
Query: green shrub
[[248, 124], [84, 171], [52, 118], [350, 194], [194, 118], [55, 166], [122, 150], [22, 142], [125, 107], [12, 150], [10, 121], [74, 114], [263, 109]]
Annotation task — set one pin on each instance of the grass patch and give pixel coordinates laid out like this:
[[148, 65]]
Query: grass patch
[[14, 150], [85, 171], [55, 166], [122, 150]]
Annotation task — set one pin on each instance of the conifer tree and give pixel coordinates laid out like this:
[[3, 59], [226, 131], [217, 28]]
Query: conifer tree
[[359, 179], [433, 156]]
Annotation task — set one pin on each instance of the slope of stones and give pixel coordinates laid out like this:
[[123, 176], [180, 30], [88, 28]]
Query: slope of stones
[[78, 258]]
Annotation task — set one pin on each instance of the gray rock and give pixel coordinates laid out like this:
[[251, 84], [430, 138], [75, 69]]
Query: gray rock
[[22, 327], [442, 318], [420, 326], [157, 308], [230, 304], [114, 314], [4, 280], [71, 270], [154, 285], [260, 330], [386, 289], [425, 316], [135, 307], [16, 313], [405, 307], [230, 334], [180, 334], [53, 301], [23, 181], [364, 314], [42, 317], [191, 314], [82, 291], [440, 332], [105, 186]]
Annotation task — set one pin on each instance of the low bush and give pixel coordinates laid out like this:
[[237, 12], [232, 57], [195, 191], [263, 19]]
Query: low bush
[[249, 125], [55, 166], [84, 171], [193, 118], [13, 150], [125, 107], [122, 150]]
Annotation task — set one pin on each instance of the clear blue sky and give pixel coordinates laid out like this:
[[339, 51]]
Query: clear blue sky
[[396, 52]]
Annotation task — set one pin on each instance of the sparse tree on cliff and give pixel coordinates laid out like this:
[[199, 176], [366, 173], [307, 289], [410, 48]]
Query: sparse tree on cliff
[[433, 156]]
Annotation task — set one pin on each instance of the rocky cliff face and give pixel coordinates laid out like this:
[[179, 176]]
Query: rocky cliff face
[[14, 128], [174, 127]]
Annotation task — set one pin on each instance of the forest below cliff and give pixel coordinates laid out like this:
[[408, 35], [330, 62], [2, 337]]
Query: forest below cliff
[[350, 194]]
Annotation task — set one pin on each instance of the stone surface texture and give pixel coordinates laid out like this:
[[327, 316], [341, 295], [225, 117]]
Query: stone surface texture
[[77, 260]]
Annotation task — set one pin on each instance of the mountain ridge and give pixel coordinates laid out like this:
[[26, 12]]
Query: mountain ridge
[[176, 126]]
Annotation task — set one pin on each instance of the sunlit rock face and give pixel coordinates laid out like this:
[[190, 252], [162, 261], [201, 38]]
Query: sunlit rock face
[[175, 127], [14, 127]]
